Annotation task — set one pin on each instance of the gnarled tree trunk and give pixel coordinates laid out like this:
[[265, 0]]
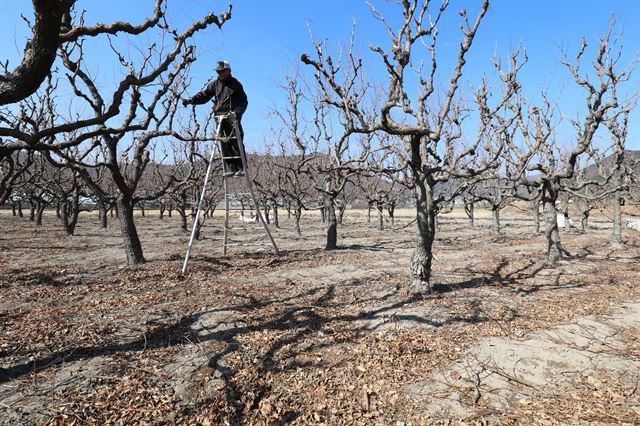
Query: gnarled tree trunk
[[380, 216], [276, 221], [584, 221], [426, 222], [495, 214], [297, 214], [468, 209], [39, 212], [71, 211], [554, 248], [391, 208], [616, 240], [102, 213], [535, 207], [332, 223], [132, 246]]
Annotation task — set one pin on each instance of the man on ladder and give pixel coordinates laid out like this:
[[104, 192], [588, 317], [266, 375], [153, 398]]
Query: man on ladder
[[229, 100]]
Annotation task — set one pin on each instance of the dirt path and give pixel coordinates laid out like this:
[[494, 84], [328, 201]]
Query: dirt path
[[574, 367]]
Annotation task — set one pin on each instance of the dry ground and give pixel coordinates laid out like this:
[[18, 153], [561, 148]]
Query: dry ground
[[315, 337]]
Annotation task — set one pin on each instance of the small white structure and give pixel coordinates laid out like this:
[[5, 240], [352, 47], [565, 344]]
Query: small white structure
[[248, 219], [633, 224], [562, 222]]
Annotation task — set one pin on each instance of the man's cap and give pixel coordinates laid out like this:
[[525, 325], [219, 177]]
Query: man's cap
[[223, 65]]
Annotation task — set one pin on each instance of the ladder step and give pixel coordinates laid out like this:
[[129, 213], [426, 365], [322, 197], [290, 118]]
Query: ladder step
[[244, 228], [231, 158], [238, 193], [247, 244]]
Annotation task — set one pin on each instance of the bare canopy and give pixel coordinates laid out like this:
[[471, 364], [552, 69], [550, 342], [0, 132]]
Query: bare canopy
[[52, 28]]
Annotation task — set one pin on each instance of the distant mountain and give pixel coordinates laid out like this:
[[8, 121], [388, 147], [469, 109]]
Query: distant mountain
[[630, 157]]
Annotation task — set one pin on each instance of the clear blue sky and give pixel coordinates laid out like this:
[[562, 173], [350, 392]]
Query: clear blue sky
[[265, 38]]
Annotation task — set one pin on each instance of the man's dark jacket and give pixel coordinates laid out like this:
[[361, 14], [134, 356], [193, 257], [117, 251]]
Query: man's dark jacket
[[228, 96]]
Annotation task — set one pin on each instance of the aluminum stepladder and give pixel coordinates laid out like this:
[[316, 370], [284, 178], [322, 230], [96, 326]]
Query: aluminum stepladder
[[227, 194]]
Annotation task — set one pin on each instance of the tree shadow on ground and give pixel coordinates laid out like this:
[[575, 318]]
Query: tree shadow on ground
[[370, 247], [30, 278], [306, 323], [162, 336], [518, 280], [295, 324]]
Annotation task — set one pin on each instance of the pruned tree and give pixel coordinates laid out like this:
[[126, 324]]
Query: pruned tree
[[44, 129], [497, 193], [13, 169], [379, 184], [56, 26], [431, 130], [533, 157], [134, 144]]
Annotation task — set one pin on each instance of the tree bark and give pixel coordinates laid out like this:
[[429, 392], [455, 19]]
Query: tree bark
[[535, 207], [380, 217], [71, 211], [391, 208], [132, 245], [616, 237], [495, 214], [426, 222], [426, 213], [267, 210], [297, 214], [468, 209], [584, 221], [39, 54], [39, 213], [102, 213], [554, 248], [276, 221], [183, 219], [332, 224], [341, 210]]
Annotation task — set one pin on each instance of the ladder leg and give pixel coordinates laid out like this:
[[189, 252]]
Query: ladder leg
[[226, 215], [250, 186], [200, 202]]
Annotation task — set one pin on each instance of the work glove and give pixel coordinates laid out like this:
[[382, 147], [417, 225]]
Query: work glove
[[185, 102]]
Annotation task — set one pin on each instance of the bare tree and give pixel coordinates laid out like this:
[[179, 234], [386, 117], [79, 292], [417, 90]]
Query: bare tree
[[498, 193], [623, 170], [43, 125], [333, 167], [13, 169], [537, 124], [431, 131], [55, 27], [133, 149]]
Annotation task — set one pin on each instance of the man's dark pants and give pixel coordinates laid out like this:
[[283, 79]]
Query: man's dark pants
[[230, 148]]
